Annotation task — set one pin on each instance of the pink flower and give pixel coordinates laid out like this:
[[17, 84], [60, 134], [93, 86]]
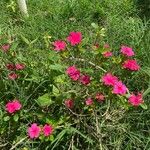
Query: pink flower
[[131, 64], [109, 79], [107, 54], [19, 66], [47, 130], [10, 66], [13, 106], [12, 76], [5, 47], [74, 38], [69, 103], [59, 45], [106, 46], [73, 72], [127, 51], [100, 97], [34, 131], [135, 100], [89, 101], [119, 88], [85, 79]]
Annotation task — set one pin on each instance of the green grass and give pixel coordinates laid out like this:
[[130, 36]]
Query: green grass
[[119, 130]]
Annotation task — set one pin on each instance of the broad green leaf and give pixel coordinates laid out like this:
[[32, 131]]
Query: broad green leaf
[[55, 91], [44, 100]]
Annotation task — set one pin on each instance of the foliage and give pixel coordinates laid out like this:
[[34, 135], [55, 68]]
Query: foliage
[[43, 85]]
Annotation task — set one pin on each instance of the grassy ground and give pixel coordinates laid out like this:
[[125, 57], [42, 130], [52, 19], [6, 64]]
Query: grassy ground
[[56, 18]]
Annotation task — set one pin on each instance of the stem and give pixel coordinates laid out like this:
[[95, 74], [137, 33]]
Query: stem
[[13, 147], [23, 7], [91, 63]]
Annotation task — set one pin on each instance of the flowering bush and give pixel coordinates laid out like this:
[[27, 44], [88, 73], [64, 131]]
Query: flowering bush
[[70, 80]]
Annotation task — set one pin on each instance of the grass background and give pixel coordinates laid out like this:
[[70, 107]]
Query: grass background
[[125, 23]]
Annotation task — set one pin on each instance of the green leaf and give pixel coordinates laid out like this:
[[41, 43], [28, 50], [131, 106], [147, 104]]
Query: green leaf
[[57, 67], [25, 40], [60, 79], [51, 138], [144, 106], [94, 25], [6, 118], [44, 100], [16, 117], [55, 91]]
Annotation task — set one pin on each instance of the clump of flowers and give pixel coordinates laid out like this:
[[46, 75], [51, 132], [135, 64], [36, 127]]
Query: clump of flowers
[[34, 130]]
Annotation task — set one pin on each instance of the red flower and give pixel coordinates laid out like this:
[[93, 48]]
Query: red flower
[[131, 64], [5, 47], [135, 100], [59, 45], [19, 66], [73, 72], [13, 106], [10, 66], [85, 79], [69, 103], [74, 38], [89, 101], [12, 76], [34, 131], [47, 130], [100, 97]]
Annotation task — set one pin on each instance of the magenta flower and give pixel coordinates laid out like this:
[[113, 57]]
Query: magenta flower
[[5, 47], [12, 76], [74, 38], [34, 131], [47, 130], [119, 88], [109, 79], [100, 97], [69, 103], [107, 54], [135, 100], [131, 64], [89, 101], [59, 45], [13, 106], [73, 72], [127, 51], [10, 66], [85, 79], [19, 66]]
